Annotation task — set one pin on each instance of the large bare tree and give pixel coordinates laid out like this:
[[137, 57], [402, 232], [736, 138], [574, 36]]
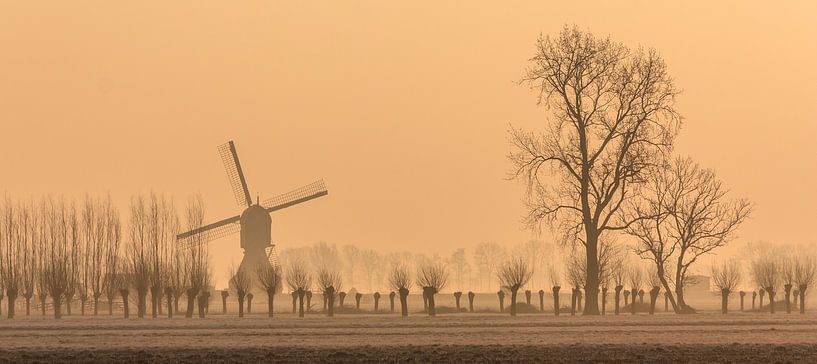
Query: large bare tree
[[161, 225], [612, 117], [686, 215], [197, 259], [13, 229]]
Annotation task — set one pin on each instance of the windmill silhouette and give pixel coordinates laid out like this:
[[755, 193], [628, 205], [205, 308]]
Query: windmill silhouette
[[254, 223]]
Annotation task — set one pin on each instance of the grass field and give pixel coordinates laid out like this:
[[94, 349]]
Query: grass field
[[703, 337]]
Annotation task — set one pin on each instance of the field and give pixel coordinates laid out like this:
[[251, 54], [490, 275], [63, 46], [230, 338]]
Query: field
[[459, 337]]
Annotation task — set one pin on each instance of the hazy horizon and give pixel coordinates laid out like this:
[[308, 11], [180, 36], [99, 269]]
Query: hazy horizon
[[401, 108]]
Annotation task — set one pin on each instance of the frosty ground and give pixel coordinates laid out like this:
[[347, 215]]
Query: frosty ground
[[462, 337]]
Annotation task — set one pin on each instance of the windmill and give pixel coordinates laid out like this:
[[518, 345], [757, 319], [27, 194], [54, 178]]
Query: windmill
[[254, 223]]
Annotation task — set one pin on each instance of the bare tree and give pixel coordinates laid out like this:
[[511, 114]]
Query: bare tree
[[433, 278], [269, 278], [514, 274], [161, 226], [196, 259], [805, 273], [113, 272], [612, 117], [555, 283], [487, 257], [688, 215], [370, 260], [352, 256], [619, 274], [399, 281], [13, 234], [787, 266], [330, 283], [460, 263], [56, 270], [726, 277], [575, 272], [29, 221], [299, 282], [241, 281], [139, 252], [766, 273]]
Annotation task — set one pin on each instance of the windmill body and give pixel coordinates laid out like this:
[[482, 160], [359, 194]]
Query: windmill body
[[255, 222]]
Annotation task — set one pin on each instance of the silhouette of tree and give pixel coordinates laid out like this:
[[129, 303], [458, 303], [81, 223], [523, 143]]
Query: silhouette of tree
[[13, 228], [460, 263], [241, 281], [299, 282], [514, 274], [688, 216], [612, 117], [487, 256], [433, 278], [196, 259], [161, 225], [766, 273], [330, 283], [635, 277], [57, 253], [726, 277], [399, 281], [351, 255], [269, 278], [370, 260], [805, 273]]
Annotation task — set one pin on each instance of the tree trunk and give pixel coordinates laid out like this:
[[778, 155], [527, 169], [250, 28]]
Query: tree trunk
[[224, 295], [541, 300], [141, 308], [82, 301], [191, 303], [404, 301], [573, 298], [762, 294], [754, 297], [556, 300], [376, 301], [202, 304], [294, 301], [457, 296], [125, 303], [28, 305], [724, 301], [249, 302], [96, 305], [653, 299], [270, 298], [742, 296], [604, 301], [617, 299], [240, 304], [432, 308], [301, 294], [43, 298], [391, 301], [527, 297], [803, 298], [358, 296], [341, 297], [591, 287], [425, 301], [771, 293], [787, 289], [12, 298], [471, 296], [57, 299], [514, 292], [308, 301], [633, 294], [154, 301], [329, 295], [666, 301], [169, 296], [501, 296]]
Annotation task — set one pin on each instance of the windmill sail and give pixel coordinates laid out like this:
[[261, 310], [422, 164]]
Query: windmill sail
[[311, 191], [235, 174], [210, 232]]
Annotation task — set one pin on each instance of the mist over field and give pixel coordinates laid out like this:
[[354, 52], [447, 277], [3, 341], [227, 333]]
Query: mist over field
[[408, 182]]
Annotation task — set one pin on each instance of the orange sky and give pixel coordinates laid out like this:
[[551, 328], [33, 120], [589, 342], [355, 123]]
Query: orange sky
[[402, 107]]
